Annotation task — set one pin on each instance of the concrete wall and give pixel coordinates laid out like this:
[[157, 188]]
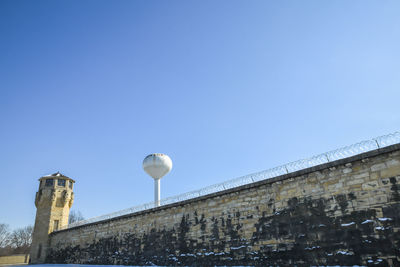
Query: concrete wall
[[345, 212], [14, 259]]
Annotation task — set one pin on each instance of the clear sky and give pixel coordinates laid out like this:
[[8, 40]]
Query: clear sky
[[225, 88]]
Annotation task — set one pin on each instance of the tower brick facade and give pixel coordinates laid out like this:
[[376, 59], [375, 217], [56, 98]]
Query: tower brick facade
[[53, 202]]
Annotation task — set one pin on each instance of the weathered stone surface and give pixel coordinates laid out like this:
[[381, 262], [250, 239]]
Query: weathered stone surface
[[53, 202], [326, 216]]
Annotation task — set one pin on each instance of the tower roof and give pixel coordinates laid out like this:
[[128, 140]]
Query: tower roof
[[56, 175]]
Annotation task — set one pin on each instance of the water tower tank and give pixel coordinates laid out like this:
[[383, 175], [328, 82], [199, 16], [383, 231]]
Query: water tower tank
[[157, 165]]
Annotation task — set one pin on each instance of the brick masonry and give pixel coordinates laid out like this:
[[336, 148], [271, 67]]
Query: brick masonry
[[345, 212], [53, 202]]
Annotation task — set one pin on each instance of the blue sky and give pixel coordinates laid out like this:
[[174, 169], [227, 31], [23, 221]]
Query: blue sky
[[225, 88]]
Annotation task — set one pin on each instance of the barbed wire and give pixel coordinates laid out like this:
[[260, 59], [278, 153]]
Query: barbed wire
[[337, 154]]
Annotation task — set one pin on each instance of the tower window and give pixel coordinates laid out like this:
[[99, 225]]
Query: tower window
[[70, 184], [61, 182], [55, 226], [39, 253], [49, 182]]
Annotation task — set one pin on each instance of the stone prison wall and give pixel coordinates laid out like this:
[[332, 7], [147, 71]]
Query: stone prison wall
[[344, 212]]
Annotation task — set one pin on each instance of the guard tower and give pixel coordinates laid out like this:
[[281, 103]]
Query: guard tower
[[53, 201]]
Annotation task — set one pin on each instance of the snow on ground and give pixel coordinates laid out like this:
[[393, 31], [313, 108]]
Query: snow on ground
[[83, 265]]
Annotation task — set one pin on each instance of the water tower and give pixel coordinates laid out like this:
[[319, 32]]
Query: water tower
[[157, 165]]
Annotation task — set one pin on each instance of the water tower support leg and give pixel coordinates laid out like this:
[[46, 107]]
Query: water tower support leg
[[157, 192]]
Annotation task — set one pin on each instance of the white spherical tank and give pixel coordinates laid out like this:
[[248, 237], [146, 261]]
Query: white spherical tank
[[157, 165]]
